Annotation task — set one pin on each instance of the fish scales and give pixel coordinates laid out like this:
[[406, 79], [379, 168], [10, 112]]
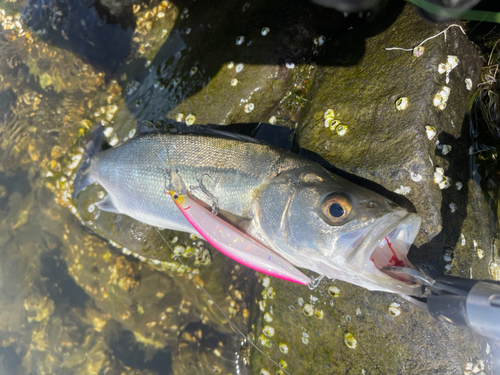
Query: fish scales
[[134, 173]]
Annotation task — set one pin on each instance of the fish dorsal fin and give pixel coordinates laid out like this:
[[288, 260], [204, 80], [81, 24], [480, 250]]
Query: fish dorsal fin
[[224, 134], [107, 205]]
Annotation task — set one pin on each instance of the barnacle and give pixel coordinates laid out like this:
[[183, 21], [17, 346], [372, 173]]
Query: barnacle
[[318, 314], [394, 309], [350, 341], [445, 149], [441, 98], [190, 119], [249, 107], [113, 141], [268, 318], [268, 331], [468, 84], [445, 184], [320, 40], [305, 338], [418, 51], [333, 291], [341, 130], [402, 103], [307, 309], [262, 305], [263, 340], [430, 131], [283, 347], [108, 131], [403, 190], [416, 176], [452, 62]]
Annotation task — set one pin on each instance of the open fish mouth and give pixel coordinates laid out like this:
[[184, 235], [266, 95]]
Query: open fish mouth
[[387, 244]]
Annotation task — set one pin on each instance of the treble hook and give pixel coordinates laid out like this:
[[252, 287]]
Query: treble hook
[[201, 188]]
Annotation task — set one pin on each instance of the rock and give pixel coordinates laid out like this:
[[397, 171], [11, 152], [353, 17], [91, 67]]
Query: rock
[[89, 31], [389, 146]]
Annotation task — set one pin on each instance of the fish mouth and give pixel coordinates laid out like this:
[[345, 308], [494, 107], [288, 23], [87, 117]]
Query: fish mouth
[[387, 244]]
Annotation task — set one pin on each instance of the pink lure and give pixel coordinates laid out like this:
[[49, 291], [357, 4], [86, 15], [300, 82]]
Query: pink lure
[[234, 243]]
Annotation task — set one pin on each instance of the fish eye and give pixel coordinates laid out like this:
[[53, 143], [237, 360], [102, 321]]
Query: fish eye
[[335, 208]]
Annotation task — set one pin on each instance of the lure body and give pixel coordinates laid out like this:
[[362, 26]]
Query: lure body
[[232, 242]]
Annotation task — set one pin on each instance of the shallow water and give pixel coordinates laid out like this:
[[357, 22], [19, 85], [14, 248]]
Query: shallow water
[[85, 291]]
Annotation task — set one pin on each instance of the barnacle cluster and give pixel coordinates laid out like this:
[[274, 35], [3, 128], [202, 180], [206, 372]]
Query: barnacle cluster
[[441, 98], [153, 25], [451, 63], [333, 123], [443, 181]]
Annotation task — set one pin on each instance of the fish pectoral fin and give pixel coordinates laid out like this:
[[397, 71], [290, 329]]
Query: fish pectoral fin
[[240, 222], [107, 205]]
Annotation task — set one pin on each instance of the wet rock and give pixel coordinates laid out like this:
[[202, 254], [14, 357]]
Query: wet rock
[[242, 61], [89, 30], [383, 141]]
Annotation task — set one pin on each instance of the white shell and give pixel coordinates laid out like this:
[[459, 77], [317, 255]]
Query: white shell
[[403, 190], [249, 107], [416, 176], [468, 83], [452, 61], [445, 149], [431, 131]]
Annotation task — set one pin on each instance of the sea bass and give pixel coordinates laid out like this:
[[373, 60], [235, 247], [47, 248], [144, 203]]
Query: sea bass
[[305, 214]]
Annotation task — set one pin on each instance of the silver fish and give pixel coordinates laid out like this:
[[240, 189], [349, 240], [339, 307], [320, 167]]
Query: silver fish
[[307, 215]]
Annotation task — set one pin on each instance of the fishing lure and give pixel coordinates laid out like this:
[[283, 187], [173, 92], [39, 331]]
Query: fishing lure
[[229, 240]]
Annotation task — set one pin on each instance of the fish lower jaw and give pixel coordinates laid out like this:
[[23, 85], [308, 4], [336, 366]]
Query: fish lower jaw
[[391, 249]]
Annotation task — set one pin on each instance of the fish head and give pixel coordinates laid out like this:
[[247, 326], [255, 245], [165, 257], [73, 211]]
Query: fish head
[[327, 224]]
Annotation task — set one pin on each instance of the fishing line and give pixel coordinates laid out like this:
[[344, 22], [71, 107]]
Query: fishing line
[[206, 292], [429, 38], [220, 309]]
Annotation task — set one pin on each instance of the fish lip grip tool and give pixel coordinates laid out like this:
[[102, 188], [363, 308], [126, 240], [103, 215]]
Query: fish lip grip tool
[[464, 302], [229, 240]]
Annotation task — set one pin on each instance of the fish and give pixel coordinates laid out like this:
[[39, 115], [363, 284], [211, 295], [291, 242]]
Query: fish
[[305, 214]]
